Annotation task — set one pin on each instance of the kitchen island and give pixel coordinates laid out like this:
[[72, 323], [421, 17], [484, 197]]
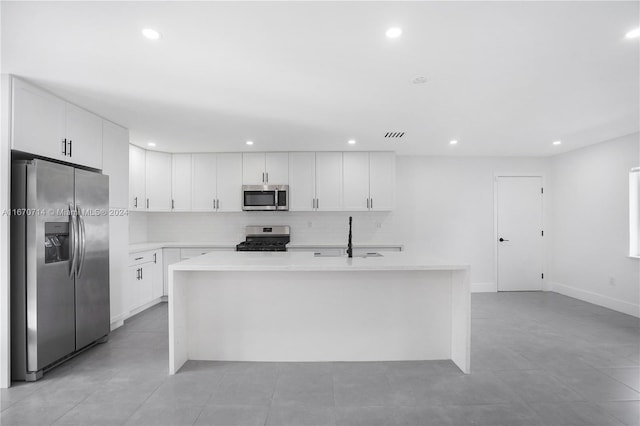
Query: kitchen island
[[285, 306]]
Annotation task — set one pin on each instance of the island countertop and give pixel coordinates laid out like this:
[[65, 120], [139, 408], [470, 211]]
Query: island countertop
[[296, 261]]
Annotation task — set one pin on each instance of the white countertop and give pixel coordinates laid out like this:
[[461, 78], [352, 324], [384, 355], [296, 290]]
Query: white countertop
[[295, 261], [134, 248]]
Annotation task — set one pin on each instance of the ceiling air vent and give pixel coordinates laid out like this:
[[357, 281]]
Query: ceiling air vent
[[395, 135]]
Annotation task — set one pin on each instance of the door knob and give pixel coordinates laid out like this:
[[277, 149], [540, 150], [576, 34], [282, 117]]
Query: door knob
[[502, 240]]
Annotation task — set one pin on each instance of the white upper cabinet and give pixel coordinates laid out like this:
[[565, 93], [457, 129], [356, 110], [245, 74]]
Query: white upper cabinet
[[328, 181], [369, 181], [115, 162], [260, 168], [277, 168], [253, 164], [302, 182], [181, 182], [38, 122], [204, 182], [137, 178], [229, 182], [84, 137], [356, 180], [382, 181], [46, 125], [158, 181]]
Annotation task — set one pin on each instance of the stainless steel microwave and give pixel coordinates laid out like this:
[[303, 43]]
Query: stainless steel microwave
[[265, 197]]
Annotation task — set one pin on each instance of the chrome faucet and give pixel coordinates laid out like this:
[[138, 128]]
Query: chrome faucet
[[349, 245]]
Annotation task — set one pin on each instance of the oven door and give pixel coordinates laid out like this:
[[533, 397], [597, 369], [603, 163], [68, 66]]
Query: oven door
[[258, 197]]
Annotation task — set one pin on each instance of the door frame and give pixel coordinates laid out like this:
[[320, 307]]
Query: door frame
[[496, 176]]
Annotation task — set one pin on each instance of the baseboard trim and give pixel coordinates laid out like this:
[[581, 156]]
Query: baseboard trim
[[597, 299], [484, 288], [117, 321]]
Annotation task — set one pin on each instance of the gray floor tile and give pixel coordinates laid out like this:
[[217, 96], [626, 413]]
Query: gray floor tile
[[538, 386], [423, 416], [244, 389], [367, 416], [492, 415], [23, 413], [232, 415], [574, 414], [165, 413], [361, 389], [301, 415], [628, 412], [304, 389], [597, 387], [98, 414], [628, 376]]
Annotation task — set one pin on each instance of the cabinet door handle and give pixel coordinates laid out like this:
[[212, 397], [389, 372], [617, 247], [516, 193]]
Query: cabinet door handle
[[217, 203], [140, 273], [70, 141], [155, 259], [64, 147], [139, 258], [147, 203], [367, 203], [173, 205], [317, 203], [372, 203], [267, 177], [135, 202]]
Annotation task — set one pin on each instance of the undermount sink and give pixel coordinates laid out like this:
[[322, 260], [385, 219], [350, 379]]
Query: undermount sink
[[344, 255]]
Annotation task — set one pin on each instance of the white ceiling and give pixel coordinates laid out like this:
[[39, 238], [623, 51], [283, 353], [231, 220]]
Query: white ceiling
[[504, 78]]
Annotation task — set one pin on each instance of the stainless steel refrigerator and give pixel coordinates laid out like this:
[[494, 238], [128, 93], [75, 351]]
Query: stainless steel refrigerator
[[59, 264]]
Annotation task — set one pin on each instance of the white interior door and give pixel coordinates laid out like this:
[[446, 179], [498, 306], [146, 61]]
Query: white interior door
[[519, 233]]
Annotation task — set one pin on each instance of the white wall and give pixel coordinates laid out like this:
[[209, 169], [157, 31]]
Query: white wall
[[590, 218], [444, 209]]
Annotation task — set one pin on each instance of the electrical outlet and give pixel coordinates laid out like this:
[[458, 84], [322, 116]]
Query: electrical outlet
[[612, 281]]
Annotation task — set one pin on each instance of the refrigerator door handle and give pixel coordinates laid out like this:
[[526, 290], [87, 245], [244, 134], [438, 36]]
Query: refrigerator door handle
[[74, 241], [83, 241]]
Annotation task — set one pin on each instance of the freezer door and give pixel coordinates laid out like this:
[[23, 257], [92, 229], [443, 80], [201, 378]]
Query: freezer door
[[92, 276], [50, 316]]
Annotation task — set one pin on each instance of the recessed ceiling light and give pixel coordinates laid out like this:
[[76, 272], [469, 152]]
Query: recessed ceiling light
[[394, 32], [152, 144], [453, 142], [249, 142], [151, 34], [556, 143], [351, 142], [633, 33]]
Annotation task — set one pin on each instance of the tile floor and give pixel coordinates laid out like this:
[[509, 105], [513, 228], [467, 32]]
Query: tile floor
[[537, 359]]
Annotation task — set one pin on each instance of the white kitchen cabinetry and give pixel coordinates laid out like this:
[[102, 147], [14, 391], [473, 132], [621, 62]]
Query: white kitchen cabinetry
[[217, 182], [369, 181], [181, 182], [137, 177], [169, 257], [145, 284], [229, 182], [356, 180], [84, 135], [328, 181], [204, 182], [158, 181], [302, 185], [46, 125], [260, 168], [115, 153], [115, 162], [382, 181]]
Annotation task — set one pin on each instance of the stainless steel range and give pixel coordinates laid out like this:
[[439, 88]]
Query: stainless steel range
[[265, 238]]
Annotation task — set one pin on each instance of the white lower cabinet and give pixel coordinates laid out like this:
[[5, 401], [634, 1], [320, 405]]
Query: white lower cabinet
[[169, 257], [145, 283]]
